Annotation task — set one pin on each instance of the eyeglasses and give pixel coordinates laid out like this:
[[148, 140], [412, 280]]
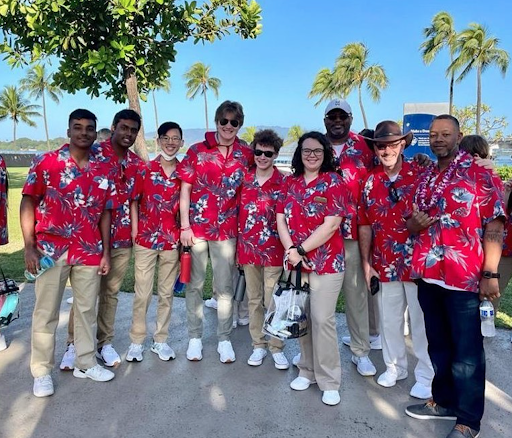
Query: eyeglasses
[[337, 115], [259, 153], [234, 123], [394, 195], [316, 152], [167, 139], [392, 145]]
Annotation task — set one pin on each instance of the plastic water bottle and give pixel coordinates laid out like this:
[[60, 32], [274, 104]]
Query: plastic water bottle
[[487, 318], [45, 263]]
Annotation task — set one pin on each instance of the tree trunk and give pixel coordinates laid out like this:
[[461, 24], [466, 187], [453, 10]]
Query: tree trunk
[[205, 108], [450, 108], [156, 120], [478, 98], [132, 93], [14, 134], [362, 109], [46, 124]]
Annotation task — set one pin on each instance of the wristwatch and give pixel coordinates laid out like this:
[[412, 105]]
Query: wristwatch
[[301, 251], [489, 274]]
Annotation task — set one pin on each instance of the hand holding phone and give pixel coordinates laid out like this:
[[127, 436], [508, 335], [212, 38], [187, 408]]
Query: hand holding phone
[[374, 285]]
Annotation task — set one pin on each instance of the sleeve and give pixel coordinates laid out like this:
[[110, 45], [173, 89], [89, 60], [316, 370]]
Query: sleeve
[[186, 169], [489, 196], [35, 184]]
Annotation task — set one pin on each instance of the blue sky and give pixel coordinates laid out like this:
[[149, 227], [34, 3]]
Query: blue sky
[[272, 75]]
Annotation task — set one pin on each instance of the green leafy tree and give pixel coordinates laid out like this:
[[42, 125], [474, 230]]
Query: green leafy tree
[[351, 72], [492, 128], [294, 133], [477, 50], [15, 107], [439, 35], [248, 134], [38, 83], [199, 82], [121, 48]]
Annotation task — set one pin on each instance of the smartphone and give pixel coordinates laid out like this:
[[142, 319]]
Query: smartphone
[[374, 285]]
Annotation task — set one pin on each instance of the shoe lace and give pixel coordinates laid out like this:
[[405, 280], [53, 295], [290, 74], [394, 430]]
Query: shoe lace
[[463, 429], [70, 349], [45, 379], [431, 403], [108, 349]]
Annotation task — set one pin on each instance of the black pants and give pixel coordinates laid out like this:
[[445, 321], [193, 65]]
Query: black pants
[[455, 346]]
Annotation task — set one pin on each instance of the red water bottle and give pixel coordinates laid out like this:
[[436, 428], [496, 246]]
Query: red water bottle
[[185, 265]]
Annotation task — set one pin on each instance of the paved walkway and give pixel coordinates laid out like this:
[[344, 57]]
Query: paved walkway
[[210, 399]]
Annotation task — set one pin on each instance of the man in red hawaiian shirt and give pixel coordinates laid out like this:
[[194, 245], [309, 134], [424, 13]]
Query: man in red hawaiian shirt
[[211, 174], [4, 239], [386, 252], [127, 169], [459, 224], [65, 215], [354, 161]]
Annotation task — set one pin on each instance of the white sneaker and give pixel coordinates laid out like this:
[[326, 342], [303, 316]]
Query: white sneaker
[[243, 321], [235, 323], [43, 386], [300, 383], [195, 349], [407, 329], [68, 360], [211, 303], [163, 350], [108, 355], [331, 398], [364, 365], [280, 361], [421, 391], [257, 356], [389, 378], [225, 350], [69, 300], [3, 343], [375, 342], [96, 373], [135, 353], [296, 360]]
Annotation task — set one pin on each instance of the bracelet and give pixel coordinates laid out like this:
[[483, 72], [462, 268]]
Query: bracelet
[[489, 274], [186, 228], [301, 251]]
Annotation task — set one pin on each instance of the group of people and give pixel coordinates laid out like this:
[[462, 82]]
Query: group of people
[[354, 215]]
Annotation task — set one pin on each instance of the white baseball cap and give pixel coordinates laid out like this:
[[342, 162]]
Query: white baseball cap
[[338, 104]]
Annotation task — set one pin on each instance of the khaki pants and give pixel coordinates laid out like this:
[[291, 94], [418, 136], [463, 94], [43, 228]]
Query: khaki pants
[[145, 264], [260, 282], [49, 289], [107, 303], [320, 355], [373, 315], [393, 298], [356, 300], [222, 256]]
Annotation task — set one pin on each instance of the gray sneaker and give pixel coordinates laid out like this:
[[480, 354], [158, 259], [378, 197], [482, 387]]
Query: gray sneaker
[[163, 350], [430, 411]]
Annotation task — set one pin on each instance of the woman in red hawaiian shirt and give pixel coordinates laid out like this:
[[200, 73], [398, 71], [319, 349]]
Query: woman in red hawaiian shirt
[[309, 216]]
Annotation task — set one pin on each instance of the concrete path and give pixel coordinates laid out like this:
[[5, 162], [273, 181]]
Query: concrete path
[[211, 399]]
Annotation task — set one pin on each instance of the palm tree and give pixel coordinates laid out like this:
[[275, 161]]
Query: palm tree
[[351, 71], [166, 86], [38, 84], [439, 35], [294, 133], [15, 107], [477, 50], [248, 135], [199, 81]]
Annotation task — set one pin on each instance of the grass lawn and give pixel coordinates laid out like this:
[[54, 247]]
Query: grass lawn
[[13, 265]]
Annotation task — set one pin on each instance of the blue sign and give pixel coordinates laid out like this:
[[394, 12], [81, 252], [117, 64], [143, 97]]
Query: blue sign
[[419, 124]]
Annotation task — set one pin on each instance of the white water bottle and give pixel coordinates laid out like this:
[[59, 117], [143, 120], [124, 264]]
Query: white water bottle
[[487, 318]]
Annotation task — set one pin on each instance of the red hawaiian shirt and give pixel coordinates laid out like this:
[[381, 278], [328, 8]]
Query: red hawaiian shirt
[[158, 196], [126, 173], [354, 162], [258, 241], [71, 201], [4, 236], [215, 182], [451, 249], [306, 205], [387, 214]]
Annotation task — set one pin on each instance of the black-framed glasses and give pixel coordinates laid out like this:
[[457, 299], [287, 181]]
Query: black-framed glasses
[[167, 139], [259, 153], [393, 192], [391, 145], [337, 115], [233, 122], [316, 152]]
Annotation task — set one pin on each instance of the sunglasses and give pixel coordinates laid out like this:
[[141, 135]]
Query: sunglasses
[[383, 146], [335, 116], [259, 153], [394, 195], [234, 123]]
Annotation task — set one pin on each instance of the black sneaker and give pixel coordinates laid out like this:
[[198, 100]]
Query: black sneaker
[[430, 411], [463, 431]]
